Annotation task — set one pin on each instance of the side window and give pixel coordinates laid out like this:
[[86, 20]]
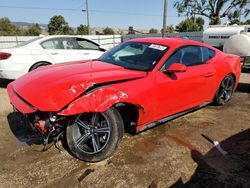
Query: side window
[[175, 58], [211, 53], [207, 54], [68, 44], [84, 44], [192, 55], [52, 44]]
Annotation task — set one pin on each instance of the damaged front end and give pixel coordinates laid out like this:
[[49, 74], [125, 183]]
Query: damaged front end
[[51, 125], [48, 126], [83, 114]]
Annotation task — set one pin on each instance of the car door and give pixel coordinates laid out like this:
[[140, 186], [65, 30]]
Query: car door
[[61, 49], [180, 91]]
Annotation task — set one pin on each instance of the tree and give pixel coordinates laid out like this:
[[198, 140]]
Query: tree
[[68, 31], [108, 31], [170, 29], [238, 22], [235, 21], [82, 30], [34, 30], [7, 28], [213, 9], [131, 30], [119, 31], [247, 22], [190, 25], [199, 21], [153, 31], [58, 26], [186, 26]]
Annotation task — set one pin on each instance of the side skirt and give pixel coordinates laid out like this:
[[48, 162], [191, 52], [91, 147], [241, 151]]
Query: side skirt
[[169, 118]]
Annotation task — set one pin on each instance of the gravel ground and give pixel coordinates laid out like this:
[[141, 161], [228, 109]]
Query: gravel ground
[[171, 155]]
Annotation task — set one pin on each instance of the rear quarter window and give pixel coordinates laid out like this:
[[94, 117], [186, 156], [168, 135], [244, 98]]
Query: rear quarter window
[[211, 53], [85, 44], [207, 54]]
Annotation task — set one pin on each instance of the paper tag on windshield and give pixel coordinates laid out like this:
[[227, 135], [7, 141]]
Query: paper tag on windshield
[[158, 47]]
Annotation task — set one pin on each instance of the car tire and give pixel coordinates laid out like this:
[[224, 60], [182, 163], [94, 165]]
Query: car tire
[[38, 65], [225, 90], [93, 137]]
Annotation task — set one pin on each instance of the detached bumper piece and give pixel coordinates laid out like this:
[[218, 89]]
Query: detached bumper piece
[[22, 129]]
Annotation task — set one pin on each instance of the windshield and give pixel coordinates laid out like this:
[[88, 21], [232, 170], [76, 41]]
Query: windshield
[[28, 42], [135, 55]]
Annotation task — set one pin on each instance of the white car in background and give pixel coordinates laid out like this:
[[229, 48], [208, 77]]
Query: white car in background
[[42, 51]]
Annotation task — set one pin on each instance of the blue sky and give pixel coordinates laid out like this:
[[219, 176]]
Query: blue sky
[[142, 14], [138, 13]]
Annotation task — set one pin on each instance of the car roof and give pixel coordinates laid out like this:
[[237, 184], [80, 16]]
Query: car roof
[[44, 38], [61, 36], [170, 42]]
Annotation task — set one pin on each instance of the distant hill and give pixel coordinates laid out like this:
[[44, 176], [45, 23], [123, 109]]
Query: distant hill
[[94, 29], [25, 24]]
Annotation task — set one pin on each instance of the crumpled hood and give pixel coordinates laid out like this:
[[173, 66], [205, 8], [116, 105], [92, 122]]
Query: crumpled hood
[[53, 87]]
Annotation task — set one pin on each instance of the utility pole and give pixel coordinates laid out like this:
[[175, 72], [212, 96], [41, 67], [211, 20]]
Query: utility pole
[[165, 18], [87, 12]]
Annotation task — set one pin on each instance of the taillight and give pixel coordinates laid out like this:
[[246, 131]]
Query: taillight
[[4, 55]]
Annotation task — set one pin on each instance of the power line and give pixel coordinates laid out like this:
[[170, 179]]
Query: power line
[[78, 10], [38, 8], [126, 13]]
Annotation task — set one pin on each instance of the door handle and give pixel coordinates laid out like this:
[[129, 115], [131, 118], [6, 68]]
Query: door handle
[[54, 53], [86, 53], [210, 74]]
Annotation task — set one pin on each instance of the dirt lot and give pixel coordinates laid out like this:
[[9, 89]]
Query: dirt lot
[[171, 155]]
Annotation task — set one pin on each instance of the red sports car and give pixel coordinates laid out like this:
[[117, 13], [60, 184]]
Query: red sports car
[[137, 85]]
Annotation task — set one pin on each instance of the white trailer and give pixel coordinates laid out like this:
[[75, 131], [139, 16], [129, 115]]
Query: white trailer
[[233, 39], [216, 35]]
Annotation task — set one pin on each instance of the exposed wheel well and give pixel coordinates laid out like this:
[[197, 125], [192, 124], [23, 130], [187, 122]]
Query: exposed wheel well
[[129, 114], [39, 63]]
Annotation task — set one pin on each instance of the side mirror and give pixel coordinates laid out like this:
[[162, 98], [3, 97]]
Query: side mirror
[[176, 67]]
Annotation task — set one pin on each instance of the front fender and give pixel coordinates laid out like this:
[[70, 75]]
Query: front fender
[[97, 101]]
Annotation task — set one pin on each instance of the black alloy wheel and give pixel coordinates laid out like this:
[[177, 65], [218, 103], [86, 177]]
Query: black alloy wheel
[[94, 136]]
